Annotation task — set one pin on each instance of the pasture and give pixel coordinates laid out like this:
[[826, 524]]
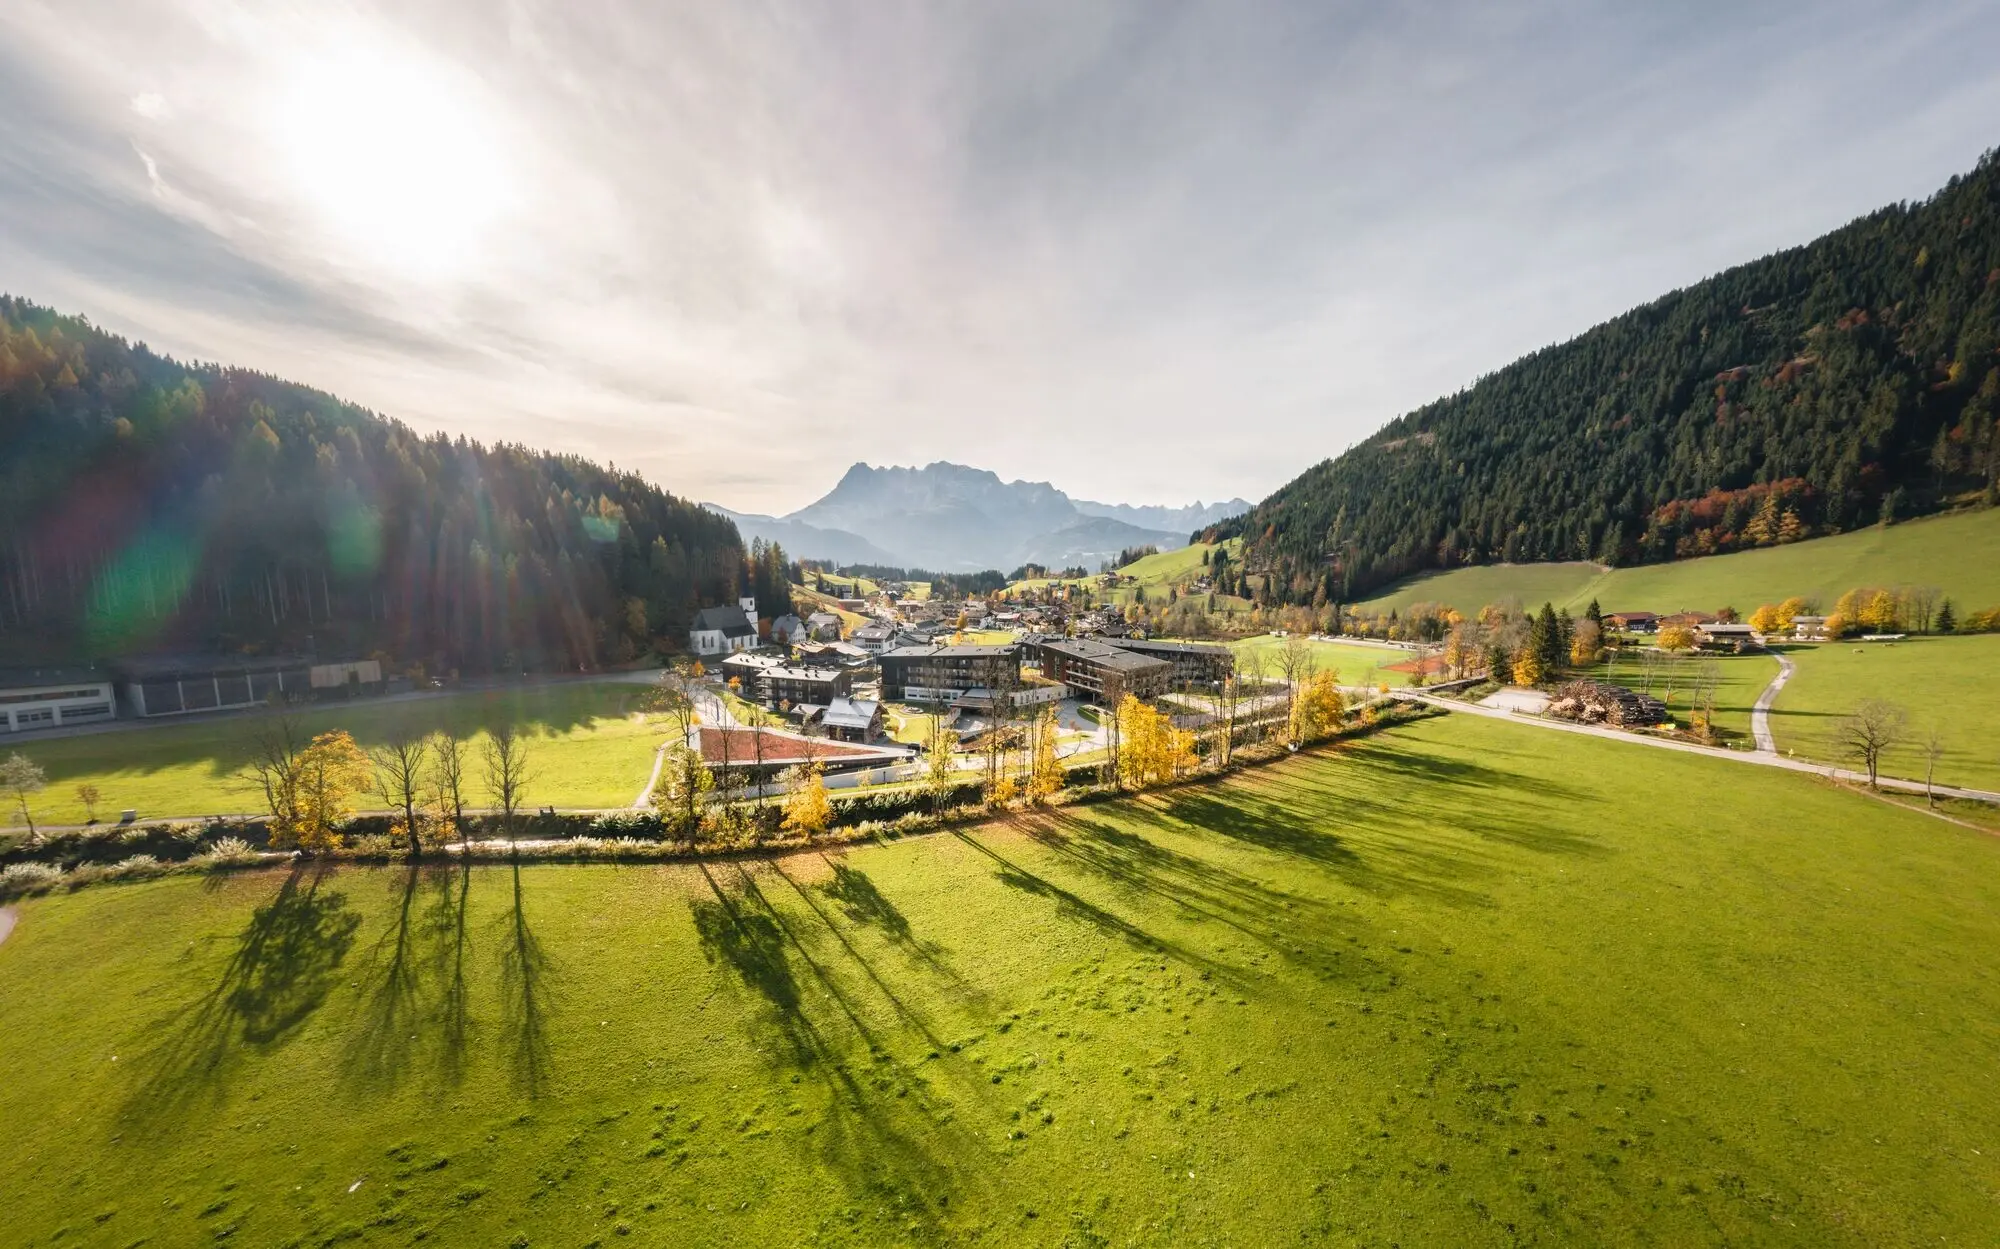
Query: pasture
[[588, 746], [1959, 553], [1355, 664], [1445, 985], [1952, 683]]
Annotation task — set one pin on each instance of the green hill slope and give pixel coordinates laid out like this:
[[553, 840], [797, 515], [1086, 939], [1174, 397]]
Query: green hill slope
[[1959, 553], [1806, 393]]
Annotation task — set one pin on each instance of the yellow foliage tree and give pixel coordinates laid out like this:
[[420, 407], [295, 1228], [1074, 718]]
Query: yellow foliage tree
[[807, 809], [331, 770], [1316, 712], [1528, 667], [1790, 610], [1676, 637], [1884, 612], [1152, 751], [1767, 619], [1045, 772]]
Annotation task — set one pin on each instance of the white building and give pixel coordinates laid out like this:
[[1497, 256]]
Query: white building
[[724, 630], [52, 697]]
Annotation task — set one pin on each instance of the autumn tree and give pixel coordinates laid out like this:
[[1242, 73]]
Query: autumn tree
[[808, 812], [1766, 619], [1874, 728], [1318, 711], [331, 770], [1045, 771], [1586, 643], [1676, 637], [685, 780], [938, 761]]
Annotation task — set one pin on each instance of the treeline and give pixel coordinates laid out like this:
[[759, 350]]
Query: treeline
[[147, 504], [1838, 384], [943, 584]]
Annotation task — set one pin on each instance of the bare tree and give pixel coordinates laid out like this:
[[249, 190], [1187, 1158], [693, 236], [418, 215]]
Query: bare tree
[[1110, 696], [1295, 665], [1920, 605], [399, 778], [1933, 751], [276, 744], [1872, 730], [507, 772], [448, 777]]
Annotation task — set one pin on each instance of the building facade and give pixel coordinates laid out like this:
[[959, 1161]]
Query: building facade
[[724, 630], [166, 687], [930, 674], [795, 686], [1102, 672], [48, 698], [1196, 664]]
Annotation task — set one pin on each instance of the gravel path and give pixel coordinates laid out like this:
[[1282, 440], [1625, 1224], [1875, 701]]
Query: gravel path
[[1760, 715], [6, 921]]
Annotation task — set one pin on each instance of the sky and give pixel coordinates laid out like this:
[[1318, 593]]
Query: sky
[[1149, 251]]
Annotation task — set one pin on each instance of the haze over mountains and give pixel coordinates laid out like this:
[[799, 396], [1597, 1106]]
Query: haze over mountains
[[952, 518]]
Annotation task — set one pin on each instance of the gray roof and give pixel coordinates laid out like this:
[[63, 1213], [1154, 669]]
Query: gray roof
[[951, 652], [1169, 648], [851, 713], [729, 620], [1102, 653], [37, 678]]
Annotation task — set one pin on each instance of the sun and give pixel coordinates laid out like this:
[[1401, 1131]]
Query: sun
[[395, 158]]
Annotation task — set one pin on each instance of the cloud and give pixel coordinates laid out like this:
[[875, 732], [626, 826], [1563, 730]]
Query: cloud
[[1150, 252]]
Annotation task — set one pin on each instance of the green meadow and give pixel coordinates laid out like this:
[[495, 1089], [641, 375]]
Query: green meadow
[[1356, 665], [588, 746], [1443, 986], [1950, 683], [1959, 553]]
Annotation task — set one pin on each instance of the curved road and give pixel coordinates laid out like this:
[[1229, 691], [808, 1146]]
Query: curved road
[[1760, 715]]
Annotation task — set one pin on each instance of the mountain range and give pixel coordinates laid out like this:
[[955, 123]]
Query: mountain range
[[952, 518]]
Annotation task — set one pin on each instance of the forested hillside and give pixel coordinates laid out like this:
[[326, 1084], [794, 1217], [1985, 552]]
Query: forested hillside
[[149, 505], [1821, 388]]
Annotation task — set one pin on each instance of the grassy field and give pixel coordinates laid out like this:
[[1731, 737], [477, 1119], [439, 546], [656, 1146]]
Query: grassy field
[[588, 747], [1356, 665], [1959, 553], [1950, 682], [1446, 986]]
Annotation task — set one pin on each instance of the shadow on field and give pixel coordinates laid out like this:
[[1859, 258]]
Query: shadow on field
[[881, 1132], [282, 970], [525, 985], [416, 1008], [1074, 906]]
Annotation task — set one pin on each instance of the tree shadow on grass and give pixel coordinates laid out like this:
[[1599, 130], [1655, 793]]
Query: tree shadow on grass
[[883, 1134], [283, 967], [1074, 906], [381, 1040], [526, 984], [454, 885], [863, 903]]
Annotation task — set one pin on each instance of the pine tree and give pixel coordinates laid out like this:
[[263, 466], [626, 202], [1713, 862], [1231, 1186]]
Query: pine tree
[[1545, 639], [1947, 619]]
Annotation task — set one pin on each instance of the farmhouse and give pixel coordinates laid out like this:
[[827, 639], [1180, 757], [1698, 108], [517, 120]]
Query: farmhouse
[[852, 720], [1718, 633], [1809, 628], [823, 626], [1094, 668], [943, 673], [873, 637], [721, 630], [788, 629], [45, 698], [1633, 621]]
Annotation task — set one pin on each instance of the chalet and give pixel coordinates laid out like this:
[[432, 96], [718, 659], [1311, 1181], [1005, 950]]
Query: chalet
[[1101, 671], [873, 637], [852, 720], [943, 673], [1809, 628], [1195, 663], [1633, 621], [46, 698], [823, 626], [1718, 633], [788, 629], [723, 630]]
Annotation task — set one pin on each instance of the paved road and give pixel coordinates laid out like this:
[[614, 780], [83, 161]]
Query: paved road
[[6, 921], [1760, 715], [1759, 757]]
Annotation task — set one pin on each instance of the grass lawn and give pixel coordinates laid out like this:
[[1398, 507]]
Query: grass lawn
[[912, 728], [988, 637], [587, 748], [1356, 665], [1458, 984], [1950, 682], [1959, 553]]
